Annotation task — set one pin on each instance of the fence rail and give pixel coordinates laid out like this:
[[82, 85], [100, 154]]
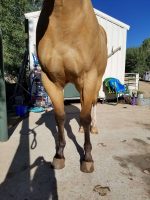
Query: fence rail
[[132, 80]]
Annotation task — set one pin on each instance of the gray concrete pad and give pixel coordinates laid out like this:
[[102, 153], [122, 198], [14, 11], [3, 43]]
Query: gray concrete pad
[[121, 153]]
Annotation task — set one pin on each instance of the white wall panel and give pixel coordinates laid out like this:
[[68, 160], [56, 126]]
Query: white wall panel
[[116, 36]]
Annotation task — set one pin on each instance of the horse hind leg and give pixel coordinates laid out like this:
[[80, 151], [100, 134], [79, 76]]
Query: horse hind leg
[[94, 129], [57, 98], [81, 129]]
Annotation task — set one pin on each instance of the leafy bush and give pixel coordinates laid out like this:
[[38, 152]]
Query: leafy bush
[[138, 59]]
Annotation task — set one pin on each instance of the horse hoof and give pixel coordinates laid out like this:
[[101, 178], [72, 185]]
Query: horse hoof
[[81, 130], [94, 130], [58, 163], [87, 167]]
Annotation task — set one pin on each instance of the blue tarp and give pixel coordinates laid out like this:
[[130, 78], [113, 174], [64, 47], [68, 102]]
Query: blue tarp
[[114, 85]]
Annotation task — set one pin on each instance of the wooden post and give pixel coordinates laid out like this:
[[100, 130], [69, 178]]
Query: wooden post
[[3, 110]]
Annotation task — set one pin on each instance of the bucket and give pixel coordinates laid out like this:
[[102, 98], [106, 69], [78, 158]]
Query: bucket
[[21, 110], [131, 88], [140, 96]]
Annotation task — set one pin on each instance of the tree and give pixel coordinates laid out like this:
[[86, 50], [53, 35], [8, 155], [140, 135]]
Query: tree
[[12, 25], [138, 59], [131, 59], [146, 49], [146, 45], [148, 62]]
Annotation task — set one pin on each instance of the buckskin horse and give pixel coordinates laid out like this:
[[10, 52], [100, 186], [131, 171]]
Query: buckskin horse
[[72, 47]]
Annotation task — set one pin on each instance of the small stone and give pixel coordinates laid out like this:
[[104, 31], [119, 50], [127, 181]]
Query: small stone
[[130, 178], [147, 171], [123, 140], [102, 144], [101, 190]]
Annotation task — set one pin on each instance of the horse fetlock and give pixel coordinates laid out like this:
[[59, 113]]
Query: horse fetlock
[[87, 147], [88, 157], [94, 129], [60, 150], [81, 129], [60, 119], [62, 144], [85, 120]]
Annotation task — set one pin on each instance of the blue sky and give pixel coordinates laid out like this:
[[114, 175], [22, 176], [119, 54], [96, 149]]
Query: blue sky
[[135, 13]]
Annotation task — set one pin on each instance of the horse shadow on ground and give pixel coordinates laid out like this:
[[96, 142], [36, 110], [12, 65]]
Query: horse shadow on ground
[[140, 160], [20, 181], [72, 112], [19, 184]]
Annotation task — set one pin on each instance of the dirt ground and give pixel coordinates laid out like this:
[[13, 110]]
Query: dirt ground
[[145, 87], [121, 153]]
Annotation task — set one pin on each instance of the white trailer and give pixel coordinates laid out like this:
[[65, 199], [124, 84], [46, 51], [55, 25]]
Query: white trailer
[[116, 35], [146, 76]]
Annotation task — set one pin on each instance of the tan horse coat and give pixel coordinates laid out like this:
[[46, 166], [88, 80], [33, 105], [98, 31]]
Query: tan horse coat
[[71, 47]]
